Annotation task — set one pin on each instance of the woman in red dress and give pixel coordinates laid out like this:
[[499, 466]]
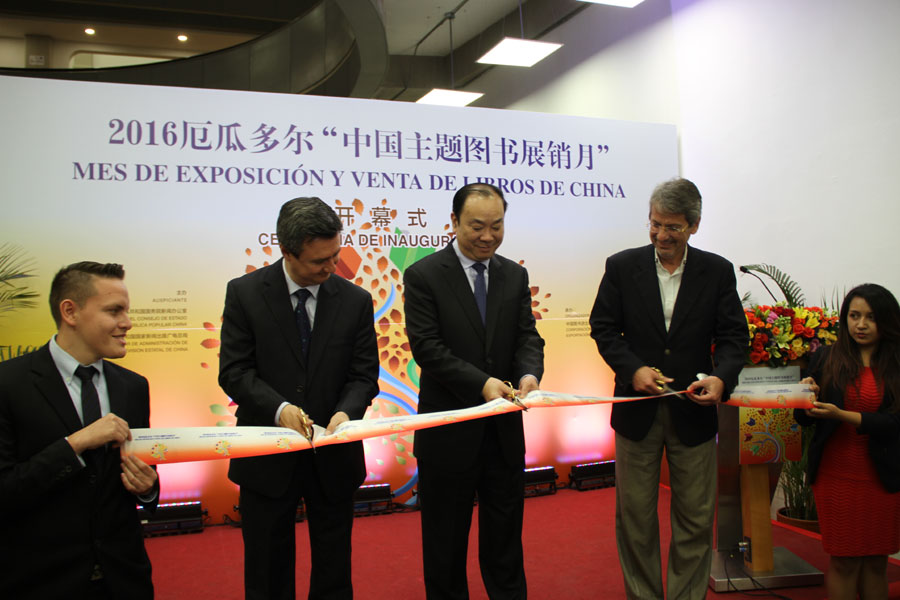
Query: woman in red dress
[[854, 456]]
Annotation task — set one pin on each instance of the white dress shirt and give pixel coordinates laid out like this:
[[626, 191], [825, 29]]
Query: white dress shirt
[[669, 284], [66, 366], [467, 265]]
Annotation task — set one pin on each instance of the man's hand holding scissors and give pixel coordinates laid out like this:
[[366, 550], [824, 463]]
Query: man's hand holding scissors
[[293, 417]]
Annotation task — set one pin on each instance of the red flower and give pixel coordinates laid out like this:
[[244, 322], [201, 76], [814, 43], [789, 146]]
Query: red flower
[[758, 357]]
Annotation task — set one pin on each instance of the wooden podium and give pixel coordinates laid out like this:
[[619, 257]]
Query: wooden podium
[[744, 558]]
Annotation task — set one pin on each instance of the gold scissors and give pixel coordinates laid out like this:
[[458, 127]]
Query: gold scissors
[[664, 387], [513, 398], [308, 431]]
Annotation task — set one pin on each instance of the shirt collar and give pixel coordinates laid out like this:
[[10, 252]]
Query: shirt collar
[[66, 363], [293, 286], [464, 260], [680, 268]]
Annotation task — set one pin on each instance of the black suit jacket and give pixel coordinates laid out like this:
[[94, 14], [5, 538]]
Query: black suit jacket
[[882, 427], [261, 366], [62, 517], [457, 353], [628, 325]]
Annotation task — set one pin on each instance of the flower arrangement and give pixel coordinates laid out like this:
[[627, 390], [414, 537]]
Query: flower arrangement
[[782, 333], [778, 334]]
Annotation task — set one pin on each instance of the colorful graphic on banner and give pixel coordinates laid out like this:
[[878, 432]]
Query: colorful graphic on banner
[[770, 434]]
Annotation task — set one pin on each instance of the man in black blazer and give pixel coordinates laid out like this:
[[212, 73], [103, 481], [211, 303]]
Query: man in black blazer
[[470, 332], [664, 313], [72, 529], [289, 362]]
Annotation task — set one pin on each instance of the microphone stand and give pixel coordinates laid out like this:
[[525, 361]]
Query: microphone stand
[[744, 269]]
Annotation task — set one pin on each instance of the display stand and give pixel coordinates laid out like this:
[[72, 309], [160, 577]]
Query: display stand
[[744, 558]]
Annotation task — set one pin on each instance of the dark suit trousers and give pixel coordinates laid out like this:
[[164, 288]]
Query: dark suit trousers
[[268, 526], [446, 499]]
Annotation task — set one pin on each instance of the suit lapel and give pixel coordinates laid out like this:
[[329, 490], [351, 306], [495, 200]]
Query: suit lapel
[[496, 282], [51, 386], [275, 294], [116, 389], [458, 283], [328, 306], [692, 283], [107, 457], [647, 283]]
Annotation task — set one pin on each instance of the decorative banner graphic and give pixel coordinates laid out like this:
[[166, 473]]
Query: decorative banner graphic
[[769, 434], [796, 395], [185, 444]]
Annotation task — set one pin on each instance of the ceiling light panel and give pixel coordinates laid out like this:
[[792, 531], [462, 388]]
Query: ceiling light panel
[[517, 52], [622, 3], [449, 97]]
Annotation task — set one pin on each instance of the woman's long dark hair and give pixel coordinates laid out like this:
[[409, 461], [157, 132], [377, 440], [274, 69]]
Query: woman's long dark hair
[[844, 362]]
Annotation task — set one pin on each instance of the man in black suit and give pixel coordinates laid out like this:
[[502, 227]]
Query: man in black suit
[[471, 329], [664, 313], [72, 529], [298, 345]]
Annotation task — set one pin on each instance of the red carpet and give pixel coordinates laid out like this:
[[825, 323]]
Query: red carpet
[[570, 553]]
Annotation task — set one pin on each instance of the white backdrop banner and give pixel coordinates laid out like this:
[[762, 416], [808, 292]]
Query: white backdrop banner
[[183, 187]]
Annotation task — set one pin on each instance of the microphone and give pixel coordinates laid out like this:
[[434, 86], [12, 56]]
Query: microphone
[[744, 269]]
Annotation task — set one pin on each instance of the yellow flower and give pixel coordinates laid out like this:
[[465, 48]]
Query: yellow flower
[[826, 335], [798, 346]]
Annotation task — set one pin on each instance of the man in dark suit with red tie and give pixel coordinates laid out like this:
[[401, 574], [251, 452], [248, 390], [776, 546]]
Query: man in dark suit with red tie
[[471, 329], [72, 528], [299, 346], [664, 313]]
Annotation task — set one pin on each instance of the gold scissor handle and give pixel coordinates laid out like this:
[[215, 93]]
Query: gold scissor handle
[[513, 398], [308, 431], [660, 383], [662, 386]]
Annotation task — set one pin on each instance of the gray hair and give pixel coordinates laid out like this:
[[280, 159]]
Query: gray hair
[[303, 219], [678, 196]]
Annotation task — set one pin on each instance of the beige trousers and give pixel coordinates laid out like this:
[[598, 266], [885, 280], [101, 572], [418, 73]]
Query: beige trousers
[[692, 473]]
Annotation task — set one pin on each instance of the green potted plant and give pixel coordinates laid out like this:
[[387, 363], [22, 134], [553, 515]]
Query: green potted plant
[[799, 504], [14, 267]]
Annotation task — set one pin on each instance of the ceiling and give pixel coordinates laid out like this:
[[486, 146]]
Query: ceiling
[[416, 33], [212, 25]]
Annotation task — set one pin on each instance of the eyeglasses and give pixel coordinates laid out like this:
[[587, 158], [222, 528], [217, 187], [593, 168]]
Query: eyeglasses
[[654, 226]]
